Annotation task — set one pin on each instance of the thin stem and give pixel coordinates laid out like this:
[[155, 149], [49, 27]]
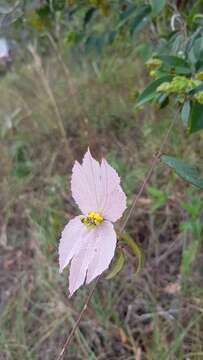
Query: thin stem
[[147, 177], [137, 196], [72, 333]]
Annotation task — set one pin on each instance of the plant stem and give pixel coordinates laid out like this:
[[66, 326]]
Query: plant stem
[[147, 177], [72, 333]]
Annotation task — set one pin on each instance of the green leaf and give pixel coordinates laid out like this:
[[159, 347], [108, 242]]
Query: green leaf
[[189, 256], [196, 90], [198, 48], [180, 65], [135, 249], [117, 265], [127, 16], [174, 60], [193, 207], [163, 100], [43, 11], [158, 197], [195, 9], [150, 91], [184, 170], [157, 6], [190, 43], [140, 19], [198, 19], [73, 37], [196, 117], [88, 15], [156, 193], [185, 113]]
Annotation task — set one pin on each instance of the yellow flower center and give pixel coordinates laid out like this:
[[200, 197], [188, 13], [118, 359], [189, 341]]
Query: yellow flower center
[[92, 219]]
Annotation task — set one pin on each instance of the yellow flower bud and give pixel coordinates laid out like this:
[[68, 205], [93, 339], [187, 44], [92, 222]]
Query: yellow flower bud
[[153, 63], [152, 73], [179, 85], [199, 97], [199, 76], [164, 87]]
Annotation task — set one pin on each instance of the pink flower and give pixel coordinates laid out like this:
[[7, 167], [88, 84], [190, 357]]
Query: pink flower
[[89, 240]]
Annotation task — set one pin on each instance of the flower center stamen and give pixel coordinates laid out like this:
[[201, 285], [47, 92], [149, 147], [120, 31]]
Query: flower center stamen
[[92, 219]]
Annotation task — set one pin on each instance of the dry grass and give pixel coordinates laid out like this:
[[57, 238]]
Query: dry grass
[[50, 113]]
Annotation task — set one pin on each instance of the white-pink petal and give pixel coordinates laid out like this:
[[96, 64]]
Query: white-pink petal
[[97, 188], [80, 262], [70, 242], [114, 199], [78, 271], [90, 252], [105, 246], [92, 171], [86, 184]]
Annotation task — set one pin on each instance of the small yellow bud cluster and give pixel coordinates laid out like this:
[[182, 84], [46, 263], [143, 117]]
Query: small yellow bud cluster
[[199, 97], [164, 87], [153, 73], [92, 219], [179, 85], [153, 63], [199, 76]]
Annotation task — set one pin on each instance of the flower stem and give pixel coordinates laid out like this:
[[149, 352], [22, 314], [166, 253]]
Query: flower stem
[[72, 333]]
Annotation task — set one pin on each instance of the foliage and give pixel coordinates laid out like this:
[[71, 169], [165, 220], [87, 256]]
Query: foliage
[[187, 172], [177, 70], [117, 265]]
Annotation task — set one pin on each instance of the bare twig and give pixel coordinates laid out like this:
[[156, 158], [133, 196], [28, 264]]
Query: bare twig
[[72, 333], [147, 177]]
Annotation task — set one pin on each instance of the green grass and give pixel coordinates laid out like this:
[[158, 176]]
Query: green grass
[[49, 116]]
